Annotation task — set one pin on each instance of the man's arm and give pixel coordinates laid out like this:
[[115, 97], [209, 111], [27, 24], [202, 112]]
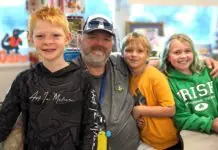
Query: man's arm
[[15, 139]]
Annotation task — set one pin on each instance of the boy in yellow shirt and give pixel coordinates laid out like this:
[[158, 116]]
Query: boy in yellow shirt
[[154, 101]]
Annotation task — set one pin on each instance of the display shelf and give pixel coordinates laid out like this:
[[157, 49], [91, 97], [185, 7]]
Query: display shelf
[[70, 54], [11, 65]]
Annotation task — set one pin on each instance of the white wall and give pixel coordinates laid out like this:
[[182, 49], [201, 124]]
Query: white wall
[[176, 2], [7, 75]]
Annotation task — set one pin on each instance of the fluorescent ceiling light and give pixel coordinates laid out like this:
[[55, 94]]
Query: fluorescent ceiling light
[[4, 3], [176, 2]]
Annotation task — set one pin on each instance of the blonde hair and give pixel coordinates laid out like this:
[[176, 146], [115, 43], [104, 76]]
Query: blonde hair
[[136, 37], [50, 14], [195, 67]]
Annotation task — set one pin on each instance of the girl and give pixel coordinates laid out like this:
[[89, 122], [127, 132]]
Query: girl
[[194, 90]]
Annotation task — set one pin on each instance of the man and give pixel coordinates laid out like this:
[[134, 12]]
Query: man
[[109, 76]]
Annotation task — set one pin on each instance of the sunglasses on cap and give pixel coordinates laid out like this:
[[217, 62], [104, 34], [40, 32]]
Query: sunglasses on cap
[[100, 24]]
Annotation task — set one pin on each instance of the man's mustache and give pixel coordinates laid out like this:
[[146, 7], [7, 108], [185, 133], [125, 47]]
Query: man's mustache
[[101, 48]]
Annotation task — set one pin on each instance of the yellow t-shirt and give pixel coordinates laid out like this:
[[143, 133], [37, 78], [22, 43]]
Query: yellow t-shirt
[[159, 132]]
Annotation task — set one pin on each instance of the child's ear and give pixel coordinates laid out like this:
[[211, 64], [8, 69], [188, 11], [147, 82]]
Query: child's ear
[[29, 38], [68, 38]]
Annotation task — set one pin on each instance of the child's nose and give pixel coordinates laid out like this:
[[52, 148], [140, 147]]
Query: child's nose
[[134, 53], [48, 40], [183, 55]]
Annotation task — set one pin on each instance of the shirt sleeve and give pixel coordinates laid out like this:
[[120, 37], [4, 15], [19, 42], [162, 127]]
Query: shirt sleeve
[[11, 108], [162, 90]]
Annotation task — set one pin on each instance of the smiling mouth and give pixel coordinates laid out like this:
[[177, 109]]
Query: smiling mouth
[[133, 61], [98, 52], [183, 62], [48, 50]]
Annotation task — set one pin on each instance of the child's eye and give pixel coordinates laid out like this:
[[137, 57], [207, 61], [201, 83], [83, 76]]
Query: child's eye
[[188, 51], [177, 52], [56, 35], [141, 51], [39, 36], [128, 50]]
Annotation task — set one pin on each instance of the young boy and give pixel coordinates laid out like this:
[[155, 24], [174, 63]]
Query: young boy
[[59, 108], [154, 105]]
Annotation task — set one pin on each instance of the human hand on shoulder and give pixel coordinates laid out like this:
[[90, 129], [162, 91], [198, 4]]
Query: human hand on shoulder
[[212, 64]]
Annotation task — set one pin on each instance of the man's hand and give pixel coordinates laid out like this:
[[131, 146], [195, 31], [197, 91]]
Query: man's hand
[[212, 64]]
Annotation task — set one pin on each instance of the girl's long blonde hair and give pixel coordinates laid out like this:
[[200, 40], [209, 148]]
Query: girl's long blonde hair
[[197, 64]]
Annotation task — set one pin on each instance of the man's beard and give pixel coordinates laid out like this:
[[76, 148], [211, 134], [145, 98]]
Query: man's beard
[[95, 60]]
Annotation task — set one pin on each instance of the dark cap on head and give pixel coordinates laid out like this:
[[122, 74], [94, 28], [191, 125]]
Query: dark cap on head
[[98, 22]]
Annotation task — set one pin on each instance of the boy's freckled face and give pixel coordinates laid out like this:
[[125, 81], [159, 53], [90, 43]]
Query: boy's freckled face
[[49, 40], [135, 55]]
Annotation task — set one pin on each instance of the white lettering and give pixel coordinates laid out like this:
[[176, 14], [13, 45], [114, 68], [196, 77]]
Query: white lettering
[[45, 98], [196, 92], [35, 97], [201, 88], [193, 92], [210, 85], [185, 93], [93, 97], [57, 98]]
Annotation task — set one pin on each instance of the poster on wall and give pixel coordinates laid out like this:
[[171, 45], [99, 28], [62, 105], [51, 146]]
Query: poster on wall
[[14, 47], [11, 48], [75, 24], [72, 50], [73, 6]]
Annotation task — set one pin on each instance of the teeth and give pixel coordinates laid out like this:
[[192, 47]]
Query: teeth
[[98, 52], [182, 62]]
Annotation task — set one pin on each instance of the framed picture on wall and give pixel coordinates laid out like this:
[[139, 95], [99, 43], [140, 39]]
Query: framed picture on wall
[[75, 25], [151, 30]]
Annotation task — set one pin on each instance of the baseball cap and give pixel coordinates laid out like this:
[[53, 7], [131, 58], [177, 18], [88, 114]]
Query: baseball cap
[[98, 22]]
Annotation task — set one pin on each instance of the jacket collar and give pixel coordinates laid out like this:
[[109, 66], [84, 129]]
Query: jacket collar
[[116, 60]]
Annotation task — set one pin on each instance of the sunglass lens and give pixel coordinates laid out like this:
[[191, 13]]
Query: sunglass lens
[[93, 24], [108, 26]]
